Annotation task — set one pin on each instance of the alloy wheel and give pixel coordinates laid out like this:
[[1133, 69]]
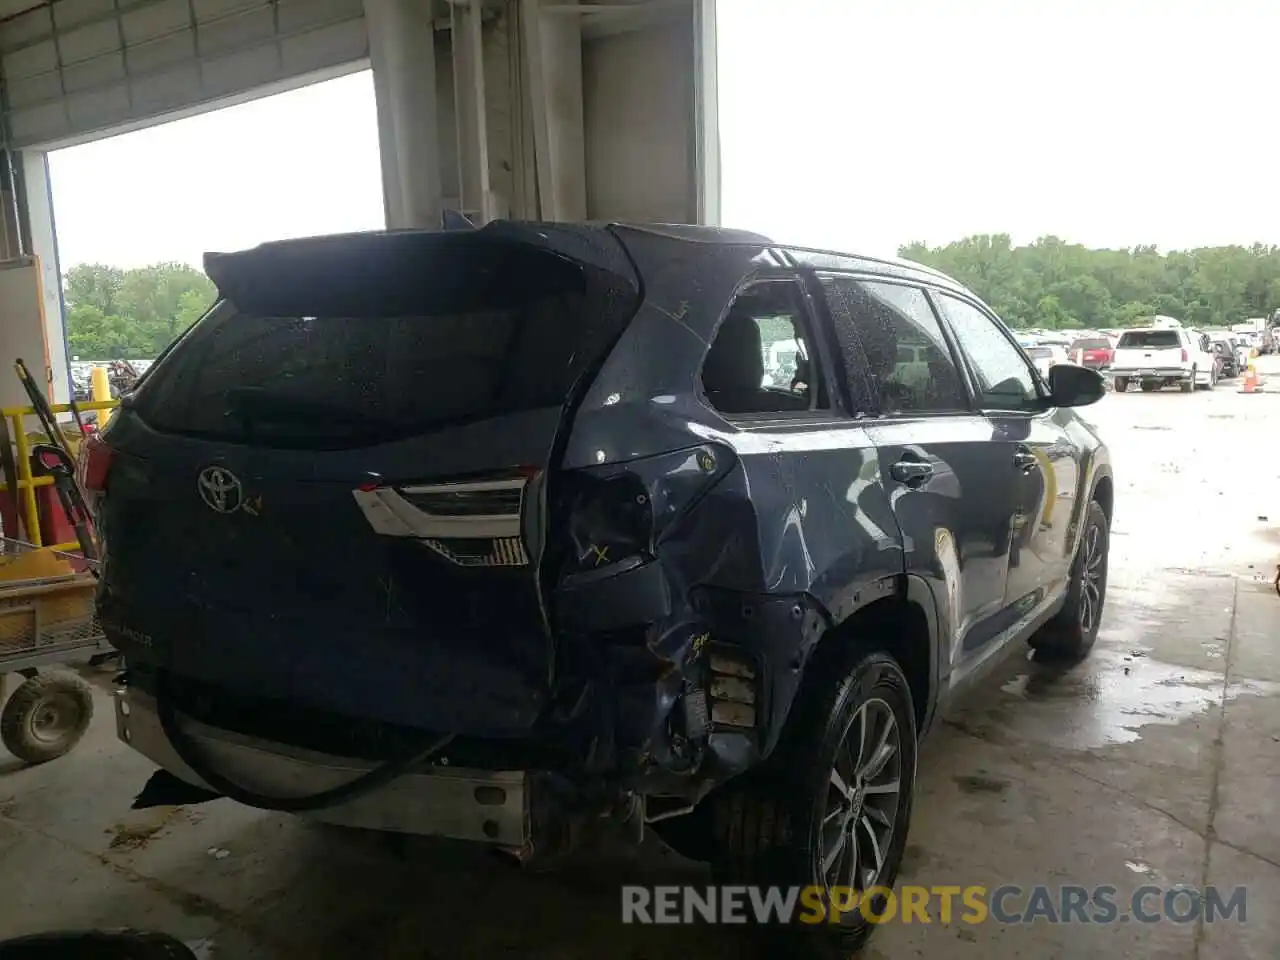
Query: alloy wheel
[[863, 800], [1093, 572]]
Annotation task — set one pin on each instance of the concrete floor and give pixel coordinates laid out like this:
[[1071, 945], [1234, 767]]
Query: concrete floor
[[1153, 762]]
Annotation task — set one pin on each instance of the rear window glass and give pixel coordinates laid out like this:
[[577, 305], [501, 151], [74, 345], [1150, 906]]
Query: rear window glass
[[1150, 339], [313, 380], [1091, 343], [1039, 353]]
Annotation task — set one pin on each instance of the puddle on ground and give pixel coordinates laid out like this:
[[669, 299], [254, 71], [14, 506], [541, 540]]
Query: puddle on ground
[[1112, 696]]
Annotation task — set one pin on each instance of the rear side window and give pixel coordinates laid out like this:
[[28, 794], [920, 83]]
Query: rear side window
[[1149, 339], [760, 361], [342, 380]]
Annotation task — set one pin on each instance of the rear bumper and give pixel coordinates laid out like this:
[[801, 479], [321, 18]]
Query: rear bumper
[[485, 806], [1150, 373]]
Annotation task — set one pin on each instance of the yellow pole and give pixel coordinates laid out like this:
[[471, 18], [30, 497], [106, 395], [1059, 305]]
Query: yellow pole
[[100, 389], [24, 480]]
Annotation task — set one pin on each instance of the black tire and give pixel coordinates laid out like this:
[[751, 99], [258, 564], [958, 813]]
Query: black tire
[[769, 828], [46, 716], [1189, 385], [1121, 384], [1071, 634]]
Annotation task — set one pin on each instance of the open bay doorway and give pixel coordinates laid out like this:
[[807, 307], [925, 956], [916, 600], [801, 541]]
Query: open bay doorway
[[136, 212]]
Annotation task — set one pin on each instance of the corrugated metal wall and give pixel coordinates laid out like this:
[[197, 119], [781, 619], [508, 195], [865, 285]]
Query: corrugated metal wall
[[71, 68]]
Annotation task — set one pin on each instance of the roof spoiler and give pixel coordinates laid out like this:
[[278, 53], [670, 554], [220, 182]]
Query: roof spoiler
[[409, 272]]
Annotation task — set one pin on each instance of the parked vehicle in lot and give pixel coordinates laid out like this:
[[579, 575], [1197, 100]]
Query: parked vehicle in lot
[[1258, 334], [1046, 356], [1243, 352], [1228, 356], [1158, 357], [483, 514], [1094, 352]]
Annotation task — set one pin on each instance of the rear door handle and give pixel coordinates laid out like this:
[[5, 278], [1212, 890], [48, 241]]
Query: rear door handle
[[1026, 462], [912, 473]]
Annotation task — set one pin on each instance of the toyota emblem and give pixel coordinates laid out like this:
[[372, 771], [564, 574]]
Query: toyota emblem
[[220, 490]]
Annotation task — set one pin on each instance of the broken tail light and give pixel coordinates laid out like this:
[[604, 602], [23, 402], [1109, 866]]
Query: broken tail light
[[92, 467], [615, 516]]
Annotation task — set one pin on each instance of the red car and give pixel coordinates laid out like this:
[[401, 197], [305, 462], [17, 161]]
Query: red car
[[1093, 352]]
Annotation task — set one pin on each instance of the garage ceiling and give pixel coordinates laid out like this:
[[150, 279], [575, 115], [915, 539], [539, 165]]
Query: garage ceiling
[[72, 68]]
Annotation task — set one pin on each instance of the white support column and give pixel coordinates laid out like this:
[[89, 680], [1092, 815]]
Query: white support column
[[469, 108], [402, 52], [552, 45], [706, 113], [44, 245], [535, 89]]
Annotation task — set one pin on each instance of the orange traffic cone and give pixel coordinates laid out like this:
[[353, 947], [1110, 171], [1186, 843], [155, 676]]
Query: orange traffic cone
[[1250, 380]]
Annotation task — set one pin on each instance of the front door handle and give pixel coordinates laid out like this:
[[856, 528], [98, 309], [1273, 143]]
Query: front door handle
[[1026, 462], [912, 473]]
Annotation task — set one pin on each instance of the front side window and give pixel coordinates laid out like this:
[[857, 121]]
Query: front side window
[[892, 329], [1005, 379]]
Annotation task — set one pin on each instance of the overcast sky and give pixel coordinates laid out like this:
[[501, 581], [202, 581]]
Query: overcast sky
[[847, 123], [296, 164]]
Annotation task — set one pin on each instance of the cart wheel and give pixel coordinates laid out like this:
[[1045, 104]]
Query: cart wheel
[[46, 716]]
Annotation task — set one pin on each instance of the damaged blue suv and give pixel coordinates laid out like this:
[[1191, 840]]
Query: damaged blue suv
[[497, 534]]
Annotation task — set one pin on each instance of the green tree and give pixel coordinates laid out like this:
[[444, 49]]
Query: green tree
[[132, 314], [96, 285], [1052, 283]]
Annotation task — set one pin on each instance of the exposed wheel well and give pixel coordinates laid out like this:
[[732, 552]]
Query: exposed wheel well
[[900, 628], [1104, 494]]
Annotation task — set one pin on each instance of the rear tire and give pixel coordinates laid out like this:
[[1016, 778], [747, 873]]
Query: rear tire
[[46, 716], [1071, 634], [1189, 385], [1121, 384], [844, 772]]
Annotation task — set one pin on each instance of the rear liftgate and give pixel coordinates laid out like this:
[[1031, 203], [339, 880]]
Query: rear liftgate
[[470, 524], [464, 530]]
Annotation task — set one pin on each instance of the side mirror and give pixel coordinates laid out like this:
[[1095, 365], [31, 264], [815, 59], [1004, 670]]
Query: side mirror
[[1071, 385]]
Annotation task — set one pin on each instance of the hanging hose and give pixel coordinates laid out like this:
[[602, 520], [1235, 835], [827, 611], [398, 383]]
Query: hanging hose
[[190, 754]]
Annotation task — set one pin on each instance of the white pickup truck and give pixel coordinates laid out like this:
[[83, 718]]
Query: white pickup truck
[[1162, 357]]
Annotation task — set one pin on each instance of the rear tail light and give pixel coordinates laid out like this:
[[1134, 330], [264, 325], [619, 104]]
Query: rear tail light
[[470, 523], [95, 463], [616, 516], [1184, 354]]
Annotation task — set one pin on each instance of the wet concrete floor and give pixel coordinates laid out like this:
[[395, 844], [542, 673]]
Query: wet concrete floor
[[1157, 761]]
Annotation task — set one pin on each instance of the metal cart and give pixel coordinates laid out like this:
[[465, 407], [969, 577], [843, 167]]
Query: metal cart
[[46, 619]]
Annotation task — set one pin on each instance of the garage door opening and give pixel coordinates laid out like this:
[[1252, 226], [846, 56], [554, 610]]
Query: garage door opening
[[135, 213]]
